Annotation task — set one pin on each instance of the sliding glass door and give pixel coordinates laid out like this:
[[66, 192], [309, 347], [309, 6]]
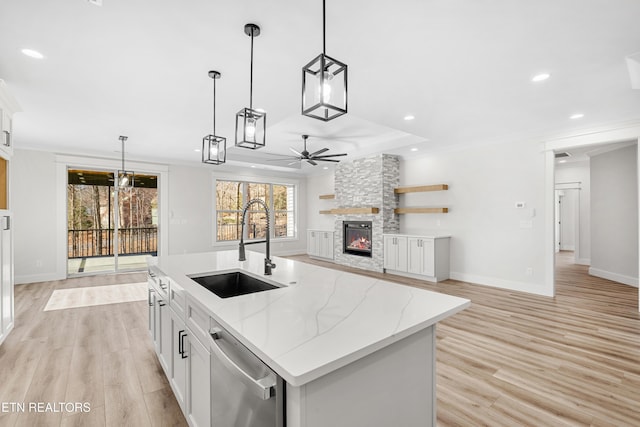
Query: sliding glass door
[[110, 229]]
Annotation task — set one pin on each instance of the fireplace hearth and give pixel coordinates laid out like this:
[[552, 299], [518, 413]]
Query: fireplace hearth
[[356, 238]]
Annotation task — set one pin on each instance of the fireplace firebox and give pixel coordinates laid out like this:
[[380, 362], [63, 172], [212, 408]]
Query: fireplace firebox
[[356, 238]]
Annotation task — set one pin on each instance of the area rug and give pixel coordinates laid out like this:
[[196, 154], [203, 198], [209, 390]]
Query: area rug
[[62, 299]]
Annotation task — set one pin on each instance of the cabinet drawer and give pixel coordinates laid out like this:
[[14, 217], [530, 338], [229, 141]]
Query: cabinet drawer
[[177, 298], [197, 319]]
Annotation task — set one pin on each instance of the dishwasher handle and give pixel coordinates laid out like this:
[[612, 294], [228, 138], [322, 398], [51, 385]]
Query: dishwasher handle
[[262, 387]]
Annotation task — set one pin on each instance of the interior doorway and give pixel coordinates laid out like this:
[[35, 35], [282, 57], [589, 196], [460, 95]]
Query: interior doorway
[[110, 229]]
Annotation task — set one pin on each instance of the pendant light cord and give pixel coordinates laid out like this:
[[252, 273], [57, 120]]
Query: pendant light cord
[[214, 106], [251, 75], [324, 24], [123, 139]]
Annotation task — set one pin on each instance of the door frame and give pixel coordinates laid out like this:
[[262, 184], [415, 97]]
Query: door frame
[[622, 133], [64, 162]]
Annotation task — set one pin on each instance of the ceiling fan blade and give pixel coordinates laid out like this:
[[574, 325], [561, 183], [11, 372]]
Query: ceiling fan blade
[[329, 155], [312, 162], [285, 158], [297, 153], [318, 152], [326, 160], [293, 163]]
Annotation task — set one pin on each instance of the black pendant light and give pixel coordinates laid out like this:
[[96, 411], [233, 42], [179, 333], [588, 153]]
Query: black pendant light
[[251, 124], [214, 148], [324, 84], [125, 177]]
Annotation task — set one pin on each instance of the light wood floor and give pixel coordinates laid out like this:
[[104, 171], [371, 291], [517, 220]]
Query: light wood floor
[[517, 359], [101, 355], [510, 359]]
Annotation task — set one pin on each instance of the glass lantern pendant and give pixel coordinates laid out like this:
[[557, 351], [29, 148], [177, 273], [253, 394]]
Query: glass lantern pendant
[[324, 84], [214, 148], [125, 177], [250, 123]]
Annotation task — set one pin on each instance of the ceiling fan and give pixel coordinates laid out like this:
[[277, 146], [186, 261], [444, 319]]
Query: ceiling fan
[[314, 157]]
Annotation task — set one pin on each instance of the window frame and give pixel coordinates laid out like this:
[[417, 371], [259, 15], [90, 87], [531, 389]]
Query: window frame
[[245, 180]]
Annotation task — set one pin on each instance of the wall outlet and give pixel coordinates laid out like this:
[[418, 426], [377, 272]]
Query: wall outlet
[[528, 271], [521, 205]]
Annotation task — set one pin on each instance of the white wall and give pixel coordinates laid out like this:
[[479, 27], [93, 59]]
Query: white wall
[[614, 215], [492, 242], [34, 225], [575, 173], [317, 185]]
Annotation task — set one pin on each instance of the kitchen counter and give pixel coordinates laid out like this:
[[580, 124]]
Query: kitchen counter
[[319, 321]]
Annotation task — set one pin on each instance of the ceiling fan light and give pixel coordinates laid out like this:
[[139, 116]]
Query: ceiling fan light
[[125, 177], [324, 88]]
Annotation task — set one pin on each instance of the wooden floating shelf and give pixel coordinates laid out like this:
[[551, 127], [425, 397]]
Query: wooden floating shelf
[[327, 196], [420, 210], [326, 212], [421, 189], [351, 211]]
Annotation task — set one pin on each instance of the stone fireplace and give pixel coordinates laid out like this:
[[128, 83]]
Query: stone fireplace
[[366, 183]]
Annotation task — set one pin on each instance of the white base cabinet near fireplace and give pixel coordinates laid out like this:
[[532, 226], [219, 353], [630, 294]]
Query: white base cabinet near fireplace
[[419, 257], [320, 244]]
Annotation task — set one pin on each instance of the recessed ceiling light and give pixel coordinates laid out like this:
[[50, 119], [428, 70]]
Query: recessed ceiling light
[[409, 117], [325, 167], [562, 161], [32, 53], [414, 149], [540, 77], [253, 166], [197, 150], [577, 116]]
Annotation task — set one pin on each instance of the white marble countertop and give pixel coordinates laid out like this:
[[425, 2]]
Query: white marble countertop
[[321, 320]]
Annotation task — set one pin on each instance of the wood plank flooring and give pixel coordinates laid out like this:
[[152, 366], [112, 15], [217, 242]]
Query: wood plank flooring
[[101, 355], [515, 359], [510, 359]]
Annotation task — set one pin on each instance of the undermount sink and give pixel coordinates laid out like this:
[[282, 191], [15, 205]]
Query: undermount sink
[[232, 284]]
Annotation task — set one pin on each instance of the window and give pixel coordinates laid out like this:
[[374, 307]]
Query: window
[[231, 197]]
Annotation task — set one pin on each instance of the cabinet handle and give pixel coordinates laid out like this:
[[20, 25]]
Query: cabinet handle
[[161, 303], [152, 274], [181, 335], [150, 302], [162, 285], [7, 138], [7, 224]]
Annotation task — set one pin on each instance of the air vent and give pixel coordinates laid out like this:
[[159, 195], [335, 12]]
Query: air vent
[[95, 2], [562, 154]]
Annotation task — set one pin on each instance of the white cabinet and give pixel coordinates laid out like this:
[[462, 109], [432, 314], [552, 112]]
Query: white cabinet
[[6, 274], [395, 253], [198, 408], [320, 243], [8, 106], [420, 257], [160, 318], [178, 376]]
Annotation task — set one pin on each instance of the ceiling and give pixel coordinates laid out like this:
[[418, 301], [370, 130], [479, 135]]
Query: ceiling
[[463, 68]]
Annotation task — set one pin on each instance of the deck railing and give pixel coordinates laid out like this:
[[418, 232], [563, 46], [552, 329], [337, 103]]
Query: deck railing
[[228, 232], [99, 242]]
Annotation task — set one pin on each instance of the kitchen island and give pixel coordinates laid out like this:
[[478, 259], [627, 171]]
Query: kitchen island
[[352, 350]]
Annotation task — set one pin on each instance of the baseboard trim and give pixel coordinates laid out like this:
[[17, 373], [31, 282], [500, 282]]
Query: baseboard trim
[[33, 278], [616, 277], [531, 288], [583, 261]]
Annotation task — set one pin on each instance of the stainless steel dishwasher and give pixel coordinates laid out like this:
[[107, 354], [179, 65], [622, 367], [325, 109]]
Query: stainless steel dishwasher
[[244, 391]]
